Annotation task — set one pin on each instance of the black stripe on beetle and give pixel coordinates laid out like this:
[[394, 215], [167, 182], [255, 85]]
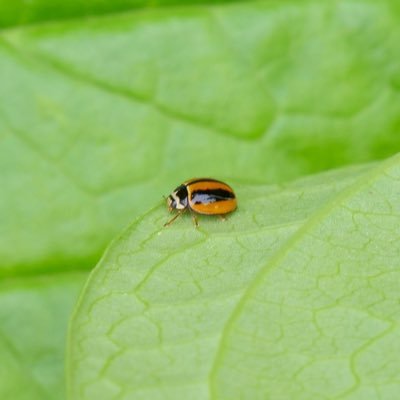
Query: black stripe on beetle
[[210, 196], [191, 182]]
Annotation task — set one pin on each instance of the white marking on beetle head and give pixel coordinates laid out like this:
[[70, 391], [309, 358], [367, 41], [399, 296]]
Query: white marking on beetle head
[[178, 203]]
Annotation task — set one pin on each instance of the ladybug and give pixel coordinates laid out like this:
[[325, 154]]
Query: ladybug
[[203, 196]]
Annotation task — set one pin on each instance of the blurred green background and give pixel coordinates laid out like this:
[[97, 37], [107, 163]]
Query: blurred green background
[[107, 106]]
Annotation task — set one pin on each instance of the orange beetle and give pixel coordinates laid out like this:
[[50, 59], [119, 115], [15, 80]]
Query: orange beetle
[[202, 196]]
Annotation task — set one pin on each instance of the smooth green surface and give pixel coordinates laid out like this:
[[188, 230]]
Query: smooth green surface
[[151, 319], [34, 313]]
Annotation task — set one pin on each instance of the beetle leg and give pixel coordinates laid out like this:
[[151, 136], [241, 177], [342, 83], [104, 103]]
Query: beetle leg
[[194, 218], [175, 217], [222, 217]]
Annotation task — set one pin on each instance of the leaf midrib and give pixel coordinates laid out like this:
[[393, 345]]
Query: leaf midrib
[[117, 13]]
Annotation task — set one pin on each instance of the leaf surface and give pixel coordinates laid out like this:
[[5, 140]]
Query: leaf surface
[[100, 117], [18, 12], [151, 318], [34, 313], [322, 318], [105, 106]]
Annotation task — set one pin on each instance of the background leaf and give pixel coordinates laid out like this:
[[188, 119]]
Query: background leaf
[[18, 12], [34, 312], [103, 112]]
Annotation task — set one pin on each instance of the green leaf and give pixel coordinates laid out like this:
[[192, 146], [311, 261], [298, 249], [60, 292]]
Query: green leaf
[[100, 117], [34, 312], [152, 315], [19, 12], [322, 318]]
